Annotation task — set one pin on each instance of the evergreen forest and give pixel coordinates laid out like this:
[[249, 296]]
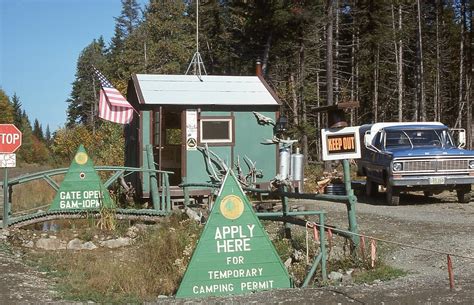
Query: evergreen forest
[[402, 60]]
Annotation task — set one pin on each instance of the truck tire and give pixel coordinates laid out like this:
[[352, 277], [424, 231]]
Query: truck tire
[[371, 188], [464, 194], [392, 195]]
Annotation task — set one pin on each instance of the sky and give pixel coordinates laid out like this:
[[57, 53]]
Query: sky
[[40, 42]]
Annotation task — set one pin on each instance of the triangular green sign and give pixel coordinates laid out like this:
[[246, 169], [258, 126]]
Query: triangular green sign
[[234, 254], [81, 188]]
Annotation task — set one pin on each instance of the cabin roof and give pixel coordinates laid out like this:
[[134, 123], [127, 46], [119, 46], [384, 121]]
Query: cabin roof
[[157, 89]]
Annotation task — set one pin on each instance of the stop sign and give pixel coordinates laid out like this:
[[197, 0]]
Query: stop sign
[[10, 138]]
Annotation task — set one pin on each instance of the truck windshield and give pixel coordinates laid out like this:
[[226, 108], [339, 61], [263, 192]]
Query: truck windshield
[[418, 138]]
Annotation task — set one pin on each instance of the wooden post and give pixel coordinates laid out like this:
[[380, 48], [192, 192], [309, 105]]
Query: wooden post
[[450, 273]]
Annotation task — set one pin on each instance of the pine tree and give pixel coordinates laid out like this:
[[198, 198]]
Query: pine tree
[[82, 102], [6, 109], [38, 130], [16, 109], [47, 136]]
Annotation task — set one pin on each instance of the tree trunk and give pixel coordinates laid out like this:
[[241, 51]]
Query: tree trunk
[[469, 72], [422, 105], [304, 116], [461, 69], [337, 90], [294, 100], [329, 64], [398, 48], [266, 54], [318, 118], [329, 55], [376, 85], [353, 69], [437, 93]]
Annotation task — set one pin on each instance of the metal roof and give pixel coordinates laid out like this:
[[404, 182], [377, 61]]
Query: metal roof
[[158, 89]]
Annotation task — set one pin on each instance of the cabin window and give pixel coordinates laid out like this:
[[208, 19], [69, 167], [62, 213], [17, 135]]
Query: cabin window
[[216, 130]]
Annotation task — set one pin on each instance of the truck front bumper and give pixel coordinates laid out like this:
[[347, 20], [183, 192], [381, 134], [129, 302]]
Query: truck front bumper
[[433, 181]]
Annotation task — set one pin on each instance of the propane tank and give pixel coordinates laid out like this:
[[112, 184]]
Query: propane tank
[[297, 168], [285, 163]]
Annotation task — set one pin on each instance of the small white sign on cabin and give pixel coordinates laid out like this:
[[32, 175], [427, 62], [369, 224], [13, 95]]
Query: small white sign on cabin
[[191, 129], [340, 143]]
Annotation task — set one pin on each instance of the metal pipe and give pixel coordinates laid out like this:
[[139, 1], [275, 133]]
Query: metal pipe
[[322, 234], [351, 205], [312, 270], [185, 192], [167, 190], [153, 179], [6, 208], [282, 214], [321, 257]]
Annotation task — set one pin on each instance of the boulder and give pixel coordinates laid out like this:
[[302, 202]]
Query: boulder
[[335, 276], [50, 244], [116, 243], [89, 246], [75, 244]]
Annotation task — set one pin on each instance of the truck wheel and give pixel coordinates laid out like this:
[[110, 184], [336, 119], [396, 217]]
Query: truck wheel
[[464, 194], [371, 188], [392, 195]]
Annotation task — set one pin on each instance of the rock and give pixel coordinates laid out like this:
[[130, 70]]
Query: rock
[[75, 244], [89, 246], [4, 233], [346, 279], [298, 255], [28, 244], [50, 244], [132, 232], [288, 262], [116, 243], [335, 276]]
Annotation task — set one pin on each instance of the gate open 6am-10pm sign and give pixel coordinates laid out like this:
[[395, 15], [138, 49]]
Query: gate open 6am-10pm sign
[[234, 254], [10, 138]]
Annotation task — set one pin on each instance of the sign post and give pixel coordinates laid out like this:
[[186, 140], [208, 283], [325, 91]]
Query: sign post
[[10, 141], [234, 254]]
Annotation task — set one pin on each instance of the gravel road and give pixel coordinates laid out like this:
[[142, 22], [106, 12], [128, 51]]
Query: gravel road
[[438, 223]]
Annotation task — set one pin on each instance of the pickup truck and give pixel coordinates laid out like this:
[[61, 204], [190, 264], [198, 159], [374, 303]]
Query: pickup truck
[[420, 156]]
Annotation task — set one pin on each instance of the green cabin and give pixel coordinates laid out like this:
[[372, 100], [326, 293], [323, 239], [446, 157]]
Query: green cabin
[[194, 124]]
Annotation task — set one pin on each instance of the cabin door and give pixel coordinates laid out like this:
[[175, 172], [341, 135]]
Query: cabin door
[[168, 146]]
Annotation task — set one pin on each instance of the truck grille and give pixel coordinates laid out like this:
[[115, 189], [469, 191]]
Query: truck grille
[[435, 165]]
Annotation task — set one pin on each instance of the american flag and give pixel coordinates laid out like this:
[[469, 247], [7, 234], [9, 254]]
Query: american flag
[[112, 105]]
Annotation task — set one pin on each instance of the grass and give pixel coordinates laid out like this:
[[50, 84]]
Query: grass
[[382, 272], [33, 194], [153, 266]]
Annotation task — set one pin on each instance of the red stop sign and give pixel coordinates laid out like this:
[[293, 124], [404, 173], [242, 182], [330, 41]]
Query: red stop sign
[[10, 138]]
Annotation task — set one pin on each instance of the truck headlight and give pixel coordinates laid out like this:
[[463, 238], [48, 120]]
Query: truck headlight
[[397, 166], [471, 164]]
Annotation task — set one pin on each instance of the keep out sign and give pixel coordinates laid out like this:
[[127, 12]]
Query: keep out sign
[[338, 144], [234, 254]]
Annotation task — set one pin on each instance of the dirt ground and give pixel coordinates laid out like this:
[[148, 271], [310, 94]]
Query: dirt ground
[[438, 223]]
